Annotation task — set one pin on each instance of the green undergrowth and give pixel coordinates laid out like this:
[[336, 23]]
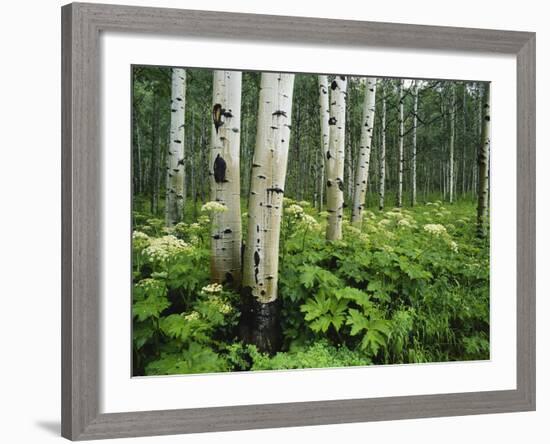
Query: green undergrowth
[[410, 286]]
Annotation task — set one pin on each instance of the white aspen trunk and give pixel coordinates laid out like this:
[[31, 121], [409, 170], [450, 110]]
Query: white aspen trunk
[[401, 131], [335, 158], [363, 160], [483, 162], [175, 166], [324, 115], [225, 184], [259, 321], [383, 155], [452, 147], [415, 125]]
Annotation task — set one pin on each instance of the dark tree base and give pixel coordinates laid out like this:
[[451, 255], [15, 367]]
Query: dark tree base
[[260, 323]]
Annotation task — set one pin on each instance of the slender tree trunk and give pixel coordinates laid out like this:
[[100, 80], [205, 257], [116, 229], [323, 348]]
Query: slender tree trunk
[[154, 155], [363, 160], [452, 145], [483, 161], [383, 155], [415, 125], [335, 158], [464, 126], [175, 161], [137, 154], [225, 174], [324, 116], [260, 314], [401, 153]]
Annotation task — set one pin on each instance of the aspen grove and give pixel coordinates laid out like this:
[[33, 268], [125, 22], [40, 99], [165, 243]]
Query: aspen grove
[[287, 221]]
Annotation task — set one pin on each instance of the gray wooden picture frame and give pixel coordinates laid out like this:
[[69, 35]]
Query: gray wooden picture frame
[[81, 172]]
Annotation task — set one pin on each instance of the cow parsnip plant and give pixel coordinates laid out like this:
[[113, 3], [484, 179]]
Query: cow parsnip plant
[[409, 286]]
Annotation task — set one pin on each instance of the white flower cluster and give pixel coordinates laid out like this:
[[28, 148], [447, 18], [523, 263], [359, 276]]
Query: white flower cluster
[[219, 304], [394, 214], [213, 207], [368, 214], [310, 222], [404, 223], [295, 210], [212, 288], [162, 248], [435, 229], [139, 236], [193, 316], [384, 222], [454, 246]]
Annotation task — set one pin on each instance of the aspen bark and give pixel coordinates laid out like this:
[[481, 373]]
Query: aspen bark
[[401, 153], [225, 186], [175, 161], [483, 164], [382, 186], [363, 160], [415, 125], [153, 171], [335, 157], [324, 115], [259, 319], [452, 146]]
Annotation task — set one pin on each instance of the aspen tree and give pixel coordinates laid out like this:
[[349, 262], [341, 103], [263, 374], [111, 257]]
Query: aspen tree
[[324, 115], [382, 187], [483, 163], [363, 161], [400, 139], [175, 161], [452, 146], [259, 319], [415, 125], [335, 157], [225, 187]]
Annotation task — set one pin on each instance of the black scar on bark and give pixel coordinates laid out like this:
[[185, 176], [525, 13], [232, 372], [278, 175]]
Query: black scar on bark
[[228, 278], [227, 231], [371, 89], [256, 259], [279, 113], [328, 155], [485, 105], [177, 141], [259, 323], [174, 110], [340, 183], [343, 78], [181, 162], [487, 118], [217, 113], [235, 130], [261, 176], [334, 85], [329, 183], [275, 190], [227, 113], [216, 236], [220, 168], [332, 121], [257, 228], [256, 165]]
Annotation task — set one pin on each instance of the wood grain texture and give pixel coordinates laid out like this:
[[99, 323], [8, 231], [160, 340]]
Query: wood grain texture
[[81, 230]]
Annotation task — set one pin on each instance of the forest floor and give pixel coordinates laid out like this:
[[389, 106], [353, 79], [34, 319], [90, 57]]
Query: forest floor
[[410, 285]]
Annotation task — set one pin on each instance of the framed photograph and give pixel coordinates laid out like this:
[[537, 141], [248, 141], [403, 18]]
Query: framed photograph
[[278, 221]]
